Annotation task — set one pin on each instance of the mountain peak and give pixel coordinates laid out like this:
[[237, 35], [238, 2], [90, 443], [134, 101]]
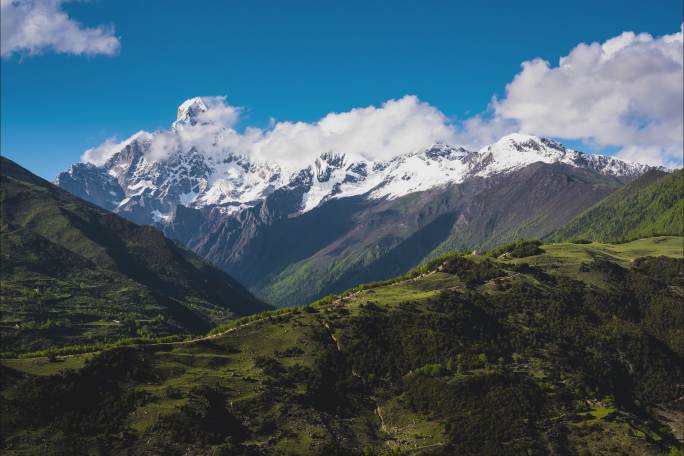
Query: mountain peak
[[521, 142], [519, 138], [525, 143], [190, 109], [439, 150], [517, 149], [141, 187]]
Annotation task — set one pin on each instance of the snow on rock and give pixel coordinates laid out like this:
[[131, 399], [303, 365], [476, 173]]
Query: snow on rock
[[148, 190], [188, 112], [516, 150]]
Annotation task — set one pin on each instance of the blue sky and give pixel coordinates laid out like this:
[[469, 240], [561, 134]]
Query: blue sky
[[289, 61]]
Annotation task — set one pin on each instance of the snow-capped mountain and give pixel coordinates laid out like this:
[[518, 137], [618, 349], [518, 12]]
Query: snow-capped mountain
[[337, 219], [145, 187]]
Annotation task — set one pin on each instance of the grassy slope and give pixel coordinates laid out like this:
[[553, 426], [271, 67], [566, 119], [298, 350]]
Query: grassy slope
[[567, 258], [72, 273], [278, 374], [651, 205]]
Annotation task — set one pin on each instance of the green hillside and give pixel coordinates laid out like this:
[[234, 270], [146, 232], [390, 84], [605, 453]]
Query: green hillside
[[576, 350], [651, 205], [72, 273]]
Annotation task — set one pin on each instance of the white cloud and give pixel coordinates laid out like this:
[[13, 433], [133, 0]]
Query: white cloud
[[375, 133], [219, 111], [99, 155], [35, 26], [625, 92], [484, 129], [653, 155]]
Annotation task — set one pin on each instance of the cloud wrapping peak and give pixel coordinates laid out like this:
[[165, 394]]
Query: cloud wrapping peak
[[99, 155], [374, 133], [36, 26], [625, 92]]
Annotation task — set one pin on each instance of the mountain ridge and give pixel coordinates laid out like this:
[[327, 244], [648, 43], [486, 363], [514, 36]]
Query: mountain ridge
[[151, 186], [402, 233]]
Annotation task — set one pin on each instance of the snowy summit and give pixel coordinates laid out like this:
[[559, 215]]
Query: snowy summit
[[147, 186]]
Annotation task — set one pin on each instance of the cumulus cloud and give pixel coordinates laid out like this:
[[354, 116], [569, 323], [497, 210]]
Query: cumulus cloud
[[99, 155], [373, 133], [35, 26], [219, 112], [625, 92], [483, 129]]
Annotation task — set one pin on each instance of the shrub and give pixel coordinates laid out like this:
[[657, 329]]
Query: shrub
[[472, 272], [519, 249]]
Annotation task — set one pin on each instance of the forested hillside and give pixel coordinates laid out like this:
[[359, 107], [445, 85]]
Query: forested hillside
[[73, 273], [651, 205], [574, 350]]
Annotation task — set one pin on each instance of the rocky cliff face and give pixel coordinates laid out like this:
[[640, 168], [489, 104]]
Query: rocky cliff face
[[353, 240]]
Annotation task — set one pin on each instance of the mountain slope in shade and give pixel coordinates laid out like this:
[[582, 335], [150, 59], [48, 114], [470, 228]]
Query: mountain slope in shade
[[651, 205], [355, 241], [73, 273]]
